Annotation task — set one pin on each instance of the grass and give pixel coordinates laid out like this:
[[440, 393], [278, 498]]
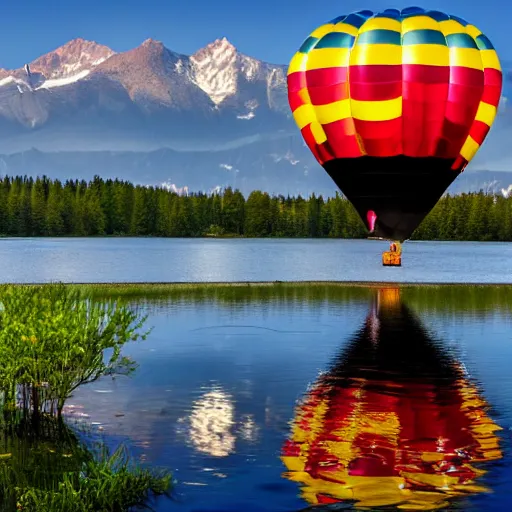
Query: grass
[[441, 298], [111, 483], [55, 470]]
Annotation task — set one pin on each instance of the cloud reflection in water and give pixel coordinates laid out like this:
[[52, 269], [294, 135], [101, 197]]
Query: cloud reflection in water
[[212, 427]]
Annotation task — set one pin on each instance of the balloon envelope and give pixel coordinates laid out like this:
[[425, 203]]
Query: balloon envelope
[[394, 105]]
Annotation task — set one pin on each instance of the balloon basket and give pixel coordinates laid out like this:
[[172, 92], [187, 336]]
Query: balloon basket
[[391, 259]]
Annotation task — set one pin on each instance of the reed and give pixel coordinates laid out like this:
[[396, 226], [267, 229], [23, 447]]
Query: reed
[[110, 483]]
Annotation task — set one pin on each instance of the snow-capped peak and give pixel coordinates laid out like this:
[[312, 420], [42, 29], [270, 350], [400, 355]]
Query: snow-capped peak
[[65, 65], [71, 59], [214, 70], [218, 49], [69, 63]]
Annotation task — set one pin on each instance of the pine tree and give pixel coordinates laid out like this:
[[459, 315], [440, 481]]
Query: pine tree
[[38, 206]]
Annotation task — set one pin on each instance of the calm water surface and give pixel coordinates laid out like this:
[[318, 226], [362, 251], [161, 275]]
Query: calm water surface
[[378, 399], [165, 259]]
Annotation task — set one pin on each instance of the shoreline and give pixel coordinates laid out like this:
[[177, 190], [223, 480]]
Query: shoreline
[[245, 237], [173, 285]]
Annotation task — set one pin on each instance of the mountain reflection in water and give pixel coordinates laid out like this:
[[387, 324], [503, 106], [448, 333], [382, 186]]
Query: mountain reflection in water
[[395, 421]]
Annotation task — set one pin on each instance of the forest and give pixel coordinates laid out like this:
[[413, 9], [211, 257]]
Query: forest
[[45, 207]]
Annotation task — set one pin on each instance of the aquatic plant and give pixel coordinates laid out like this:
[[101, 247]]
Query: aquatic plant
[[54, 339], [56, 471], [111, 484]]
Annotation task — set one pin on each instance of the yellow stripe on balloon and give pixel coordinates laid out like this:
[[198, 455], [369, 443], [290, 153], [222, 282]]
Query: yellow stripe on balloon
[[486, 113], [449, 27], [345, 109], [304, 115], [298, 63], [378, 54], [473, 31], [335, 111], [318, 132], [466, 57], [345, 27], [304, 95], [322, 30], [380, 24], [419, 23], [376, 110], [490, 59], [328, 58], [469, 149], [426, 54]]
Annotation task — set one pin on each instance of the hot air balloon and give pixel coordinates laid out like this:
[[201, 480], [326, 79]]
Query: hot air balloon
[[394, 421], [394, 105]]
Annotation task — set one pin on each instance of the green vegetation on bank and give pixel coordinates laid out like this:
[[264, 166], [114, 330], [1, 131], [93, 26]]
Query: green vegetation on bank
[[45, 207], [53, 339], [440, 298]]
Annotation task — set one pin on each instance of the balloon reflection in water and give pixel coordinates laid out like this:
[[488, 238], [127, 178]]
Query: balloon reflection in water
[[395, 421]]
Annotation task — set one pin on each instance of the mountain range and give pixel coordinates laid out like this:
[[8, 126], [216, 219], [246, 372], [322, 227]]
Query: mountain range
[[154, 116]]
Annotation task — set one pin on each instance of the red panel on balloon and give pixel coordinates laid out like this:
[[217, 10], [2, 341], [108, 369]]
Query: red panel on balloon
[[326, 76], [376, 73], [461, 115], [493, 77], [445, 150], [376, 91], [417, 91], [456, 135], [459, 163], [468, 95], [310, 141], [325, 151], [466, 76], [492, 94], [413, 114], [383, 147], [328, 94], [341, 135], [295, 100], [492, 86], [379, 129], [297, 81], [479, 131], [425, 74]]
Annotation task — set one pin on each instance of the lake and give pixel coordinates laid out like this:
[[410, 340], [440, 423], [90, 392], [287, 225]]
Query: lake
[[291, 398], [280, 400], [166, 259]]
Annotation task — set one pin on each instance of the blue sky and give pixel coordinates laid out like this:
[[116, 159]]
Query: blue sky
[[270, 30]]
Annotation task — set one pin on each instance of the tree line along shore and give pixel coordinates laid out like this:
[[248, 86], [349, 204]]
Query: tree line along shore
[[45, 207]]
